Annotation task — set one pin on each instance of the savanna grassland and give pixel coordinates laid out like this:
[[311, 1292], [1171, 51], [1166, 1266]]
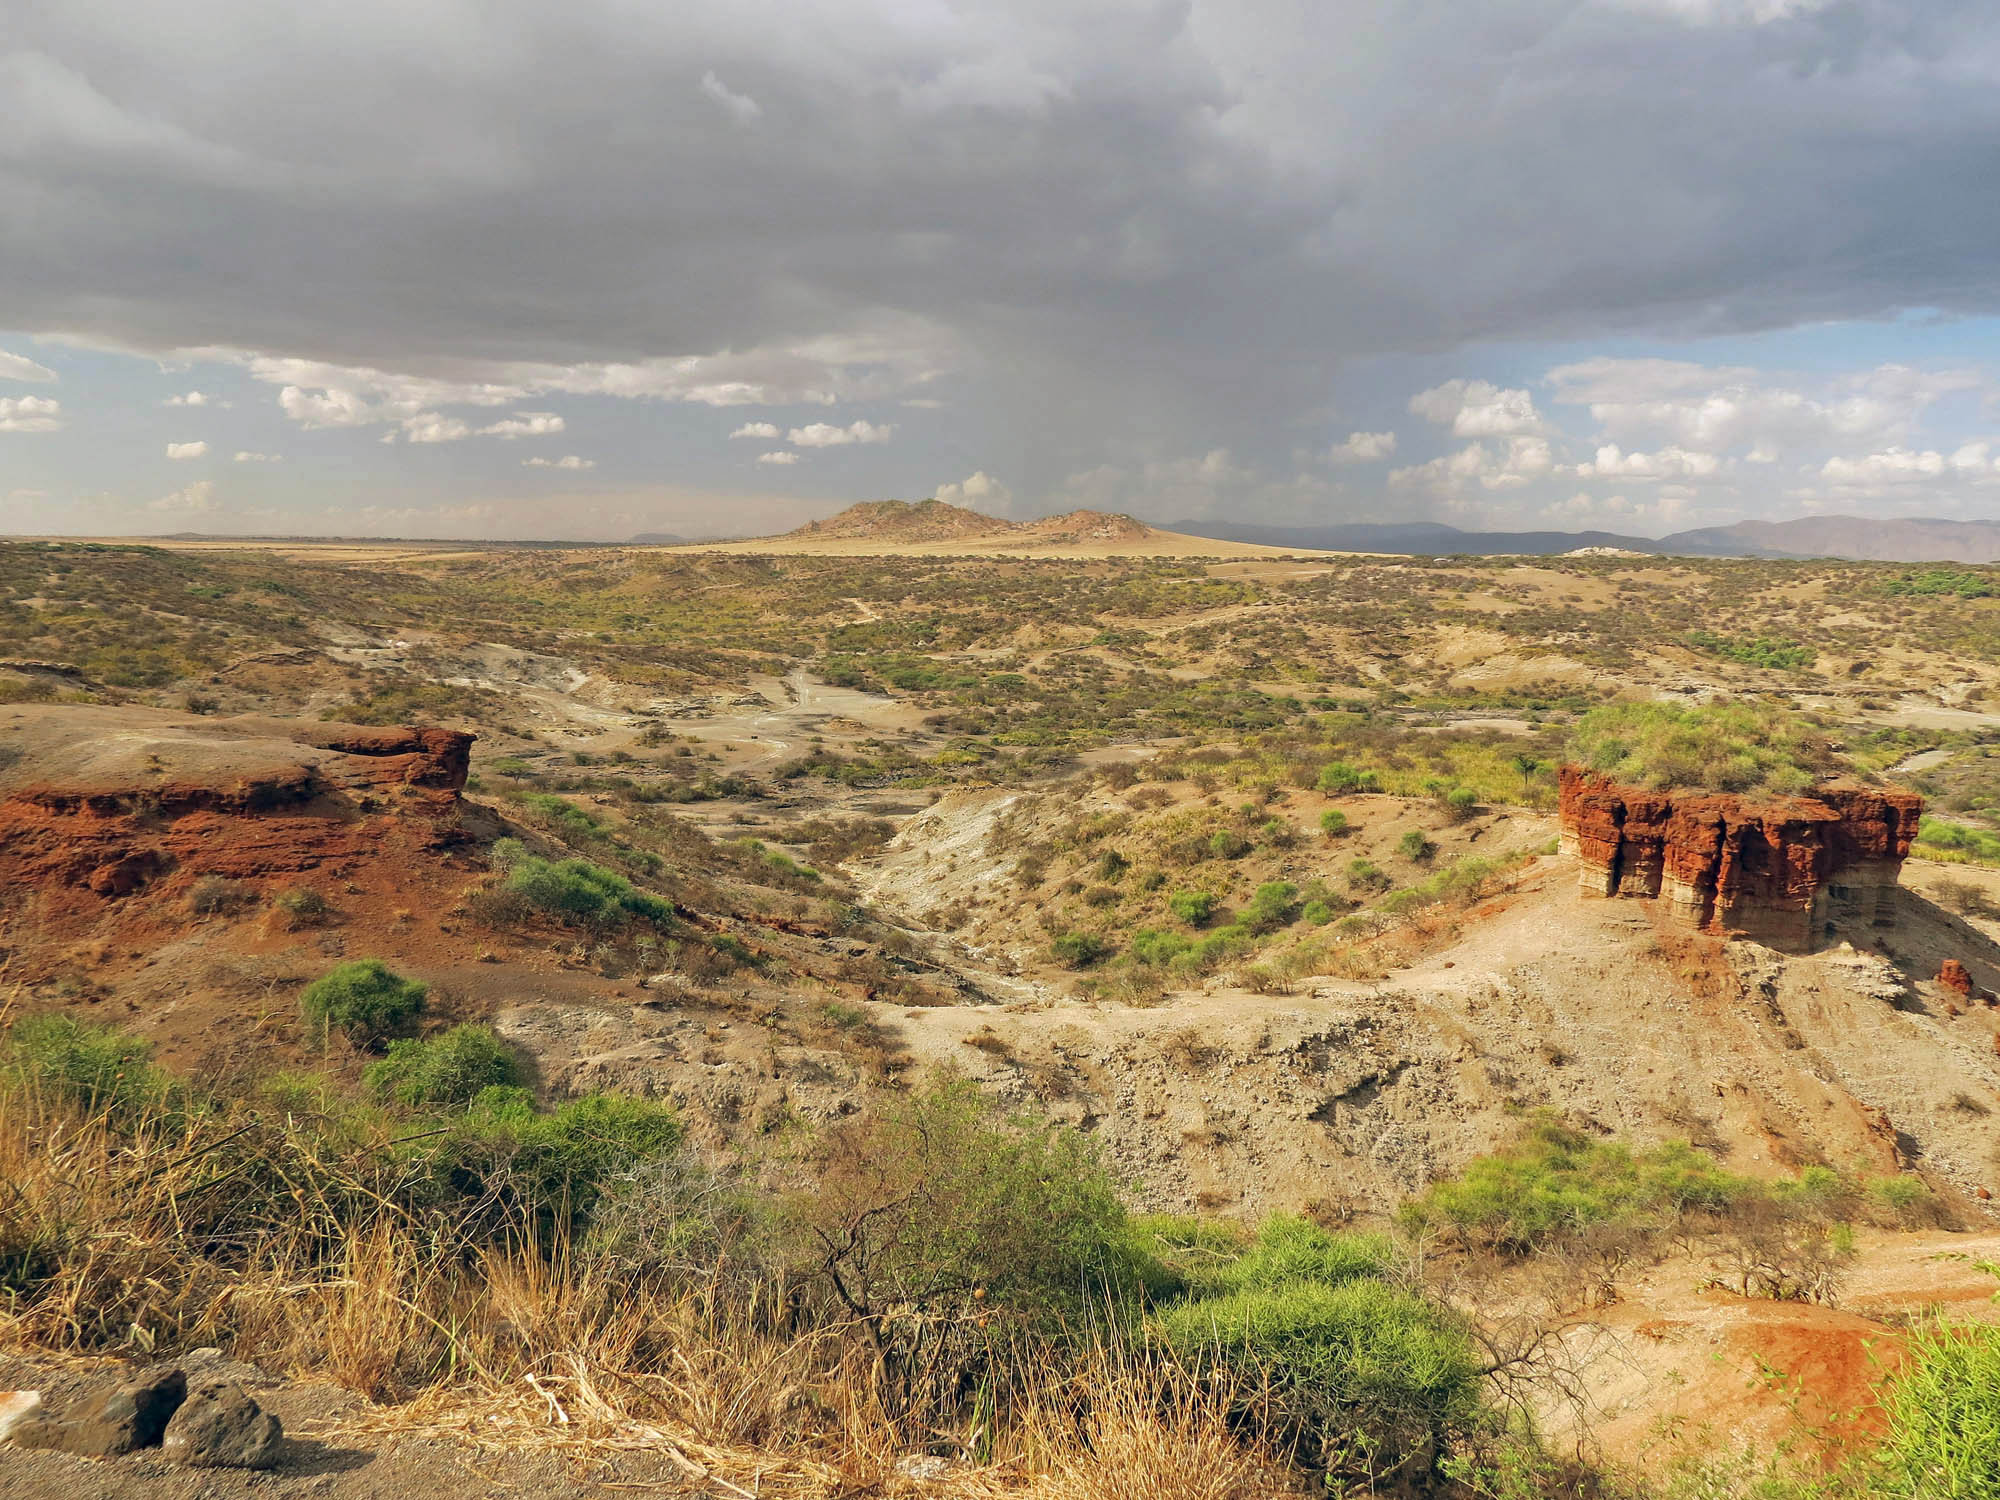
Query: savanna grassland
[[1063, 1026]]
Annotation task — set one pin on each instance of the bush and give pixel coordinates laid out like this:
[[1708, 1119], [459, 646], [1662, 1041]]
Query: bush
[[579, 893], [1341, 777], [935, 1205], [1316, 913], [1225, 844], [1728, 747], [1958, 841], [1192, 907], [91, 1067], [303, 907], [1358, 1377], [1333, 823], [1416, 845], [1461, 802], [451, 1069], [1079, 949], [1151, 946], [364, 999], [1366, 875], [1274, 905], [555, 1166], [1558, 1181]]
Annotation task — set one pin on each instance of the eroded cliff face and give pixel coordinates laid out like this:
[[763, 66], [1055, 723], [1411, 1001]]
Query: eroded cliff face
[[1787, 871], [100, 803]]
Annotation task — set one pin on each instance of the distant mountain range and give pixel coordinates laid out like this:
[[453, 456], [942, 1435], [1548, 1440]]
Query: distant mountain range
[[1858, 537]]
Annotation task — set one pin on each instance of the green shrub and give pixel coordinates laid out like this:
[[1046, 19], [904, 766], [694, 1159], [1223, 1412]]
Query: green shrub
[[1079, 949], [1288, 1248], [1415, 844], [1192, 907], [1226, 844], [1316, 913], [1558, 1181], [1944, 1415], [1274, 905], [1341, 777], [1461, 802], [1358, 1377], [579, 893], [1333, 823], [92, 1067], [1959, 582], [444, 1070], [573, 821], [555, 1166], [1366, 875], [1957, 841], [1151, 946], [364, 999]]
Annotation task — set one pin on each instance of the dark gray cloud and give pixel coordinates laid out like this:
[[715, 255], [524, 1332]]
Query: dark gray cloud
[[1131, 232]]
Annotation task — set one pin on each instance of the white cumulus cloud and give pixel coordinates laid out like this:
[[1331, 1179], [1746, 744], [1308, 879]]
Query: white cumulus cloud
[[567, 461], [29, 414], [979, 491], [1477, 408], [433, 427], [768, 430], [188, 398], [196, 449], [1364, 447], [777, 458], [245, 456], [524, 424], [1666, 463], [826, 435]]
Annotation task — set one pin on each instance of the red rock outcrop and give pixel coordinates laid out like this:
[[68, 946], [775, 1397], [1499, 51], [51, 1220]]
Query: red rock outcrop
[[1952, 975], [102, 803], [1783, 870]]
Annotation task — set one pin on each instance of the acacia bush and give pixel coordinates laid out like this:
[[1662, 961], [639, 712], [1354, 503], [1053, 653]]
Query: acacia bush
[[364, 999], [1310, 1340], [450, 1069], [574, 892]]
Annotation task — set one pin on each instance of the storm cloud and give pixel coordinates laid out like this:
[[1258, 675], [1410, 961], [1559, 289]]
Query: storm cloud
[[1122, 233]]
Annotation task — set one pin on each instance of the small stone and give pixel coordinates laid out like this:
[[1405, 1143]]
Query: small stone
[[221, 1427], [17, 1407], [134, 1416]]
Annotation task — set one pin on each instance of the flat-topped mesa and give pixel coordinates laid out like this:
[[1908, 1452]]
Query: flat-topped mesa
[[1786, 871], [106, 801]]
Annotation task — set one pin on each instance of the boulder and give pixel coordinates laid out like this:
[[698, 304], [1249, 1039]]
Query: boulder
[[221, 1426], [135, 1415], [1952, 976]]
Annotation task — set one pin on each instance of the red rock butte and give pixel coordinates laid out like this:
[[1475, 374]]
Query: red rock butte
[[1786, 871], [96, 804]]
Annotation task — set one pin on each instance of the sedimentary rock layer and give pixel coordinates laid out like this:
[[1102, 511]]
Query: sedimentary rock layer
[[101, 802], [1783, 870]]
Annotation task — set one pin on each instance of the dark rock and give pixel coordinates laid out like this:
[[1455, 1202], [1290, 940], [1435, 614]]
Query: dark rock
[[134, 1416], [221, 1427]]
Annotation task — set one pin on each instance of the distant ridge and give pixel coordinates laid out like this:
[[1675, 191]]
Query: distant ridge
[[913, 521], [1859, 538]]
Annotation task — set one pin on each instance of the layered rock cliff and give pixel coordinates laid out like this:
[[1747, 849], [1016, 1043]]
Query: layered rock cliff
[[1787, 871], [102, 802]]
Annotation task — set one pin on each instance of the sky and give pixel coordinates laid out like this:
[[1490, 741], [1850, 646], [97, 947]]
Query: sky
[[429, 268]]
